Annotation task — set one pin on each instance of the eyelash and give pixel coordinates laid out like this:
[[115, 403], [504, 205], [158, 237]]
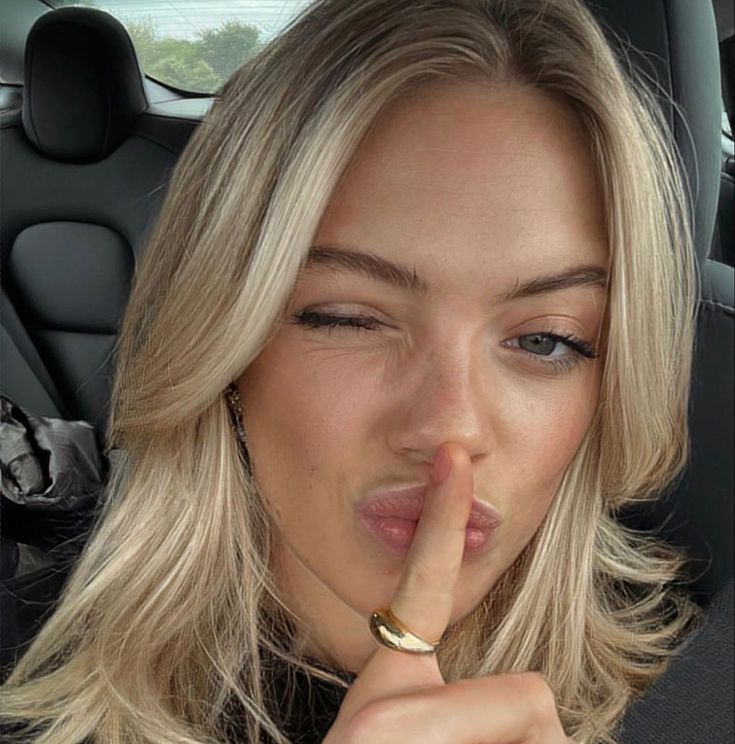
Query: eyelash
[[581, 350]]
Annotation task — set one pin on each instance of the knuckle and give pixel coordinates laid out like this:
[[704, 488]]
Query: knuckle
[[377, 721], [401, 719]]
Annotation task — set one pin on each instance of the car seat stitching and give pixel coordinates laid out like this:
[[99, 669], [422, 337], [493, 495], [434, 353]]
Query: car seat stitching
[[721, 305]]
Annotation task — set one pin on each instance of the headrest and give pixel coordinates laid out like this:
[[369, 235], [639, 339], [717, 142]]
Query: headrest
[[83, 87], [675, 43]]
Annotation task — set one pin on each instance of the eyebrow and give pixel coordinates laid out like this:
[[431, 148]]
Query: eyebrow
[[336, 258]]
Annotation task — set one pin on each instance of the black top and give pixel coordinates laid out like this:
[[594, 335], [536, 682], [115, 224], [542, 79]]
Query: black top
[[52, 473]]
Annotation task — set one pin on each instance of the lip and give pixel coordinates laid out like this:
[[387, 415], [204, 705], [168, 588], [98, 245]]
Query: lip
[[391, 517], [408, 503]]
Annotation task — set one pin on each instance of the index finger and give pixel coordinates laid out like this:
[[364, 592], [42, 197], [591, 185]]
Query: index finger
[[424, 598]]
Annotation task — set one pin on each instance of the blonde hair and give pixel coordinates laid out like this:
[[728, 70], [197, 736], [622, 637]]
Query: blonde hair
[[161, 621]]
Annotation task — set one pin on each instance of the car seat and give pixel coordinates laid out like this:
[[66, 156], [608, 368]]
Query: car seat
[[674, 42], [86, 162]]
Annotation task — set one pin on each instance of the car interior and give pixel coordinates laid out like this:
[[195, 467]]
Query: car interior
[[88, 143]]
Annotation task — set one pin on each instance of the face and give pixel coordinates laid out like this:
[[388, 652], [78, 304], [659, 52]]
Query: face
[[477, 192]]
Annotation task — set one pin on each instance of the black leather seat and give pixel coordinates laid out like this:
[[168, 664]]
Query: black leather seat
[[723, 243], [693, 702], [675, 43], [86, 160], [82, 183], [84, 180]]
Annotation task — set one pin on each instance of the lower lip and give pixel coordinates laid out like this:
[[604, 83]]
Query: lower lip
[[396, 534]]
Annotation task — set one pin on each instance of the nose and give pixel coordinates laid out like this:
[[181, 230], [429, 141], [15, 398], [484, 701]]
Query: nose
[[444, 396]]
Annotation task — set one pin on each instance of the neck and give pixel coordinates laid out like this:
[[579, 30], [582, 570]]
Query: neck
[[329, 631]]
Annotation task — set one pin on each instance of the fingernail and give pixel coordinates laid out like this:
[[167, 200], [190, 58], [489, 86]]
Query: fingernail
[[442, 466]]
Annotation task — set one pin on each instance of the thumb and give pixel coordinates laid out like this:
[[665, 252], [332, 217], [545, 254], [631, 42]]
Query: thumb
[[424, 598]]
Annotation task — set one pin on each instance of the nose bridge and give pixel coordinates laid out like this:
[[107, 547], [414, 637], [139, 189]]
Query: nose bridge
[[449, 373], [445, 399]]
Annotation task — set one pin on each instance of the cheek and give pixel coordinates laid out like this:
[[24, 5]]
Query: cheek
[[553, 437], [545, 438], [549, 426], [302, 427]]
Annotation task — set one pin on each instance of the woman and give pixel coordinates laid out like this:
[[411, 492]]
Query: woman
[[435, 252]]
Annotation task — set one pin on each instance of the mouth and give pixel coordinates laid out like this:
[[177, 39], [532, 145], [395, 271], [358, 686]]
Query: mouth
[[391, 517]]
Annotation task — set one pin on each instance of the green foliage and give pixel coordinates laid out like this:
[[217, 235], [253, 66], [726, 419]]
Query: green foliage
[[225, 48], [202, 65]]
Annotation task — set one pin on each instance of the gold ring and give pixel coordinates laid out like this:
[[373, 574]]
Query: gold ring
[[388, 630]]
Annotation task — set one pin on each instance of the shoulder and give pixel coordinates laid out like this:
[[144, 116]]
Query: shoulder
[[692, 701]]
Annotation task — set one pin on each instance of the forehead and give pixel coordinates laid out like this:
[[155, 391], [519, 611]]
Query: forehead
[[459, 175]]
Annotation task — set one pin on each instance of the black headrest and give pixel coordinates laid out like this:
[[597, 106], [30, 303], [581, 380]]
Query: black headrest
[[83, 86], [675, 43]]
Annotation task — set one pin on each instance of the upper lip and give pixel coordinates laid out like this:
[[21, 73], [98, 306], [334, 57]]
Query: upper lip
[[408, 502]]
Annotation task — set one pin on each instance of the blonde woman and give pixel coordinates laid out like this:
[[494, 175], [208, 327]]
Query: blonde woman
[[414, 324]]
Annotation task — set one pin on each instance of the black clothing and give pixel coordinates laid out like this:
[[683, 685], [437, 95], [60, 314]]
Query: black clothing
[[52, 474]]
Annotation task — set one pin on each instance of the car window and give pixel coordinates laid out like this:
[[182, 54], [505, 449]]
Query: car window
[[192, 45]]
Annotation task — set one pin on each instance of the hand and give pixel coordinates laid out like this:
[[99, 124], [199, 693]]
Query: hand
[[401, 697]]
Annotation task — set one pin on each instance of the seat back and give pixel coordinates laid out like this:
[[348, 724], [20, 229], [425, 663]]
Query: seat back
[[86, 161], [82, 183], [723, 242], [696, 513], [674, 43]]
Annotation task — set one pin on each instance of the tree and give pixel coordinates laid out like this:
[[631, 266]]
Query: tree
[[195, 75], [202, 65], [225, 48]]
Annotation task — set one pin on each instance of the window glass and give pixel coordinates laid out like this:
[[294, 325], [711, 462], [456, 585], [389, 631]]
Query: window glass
[[195, 45]]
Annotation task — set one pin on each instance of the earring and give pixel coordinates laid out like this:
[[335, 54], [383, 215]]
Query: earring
[[232, 395]]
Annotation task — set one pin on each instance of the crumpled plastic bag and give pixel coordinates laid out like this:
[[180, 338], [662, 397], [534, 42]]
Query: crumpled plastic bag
[[53, 472]]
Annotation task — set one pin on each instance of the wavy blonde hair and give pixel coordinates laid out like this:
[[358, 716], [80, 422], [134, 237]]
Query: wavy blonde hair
[[163, 616]]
